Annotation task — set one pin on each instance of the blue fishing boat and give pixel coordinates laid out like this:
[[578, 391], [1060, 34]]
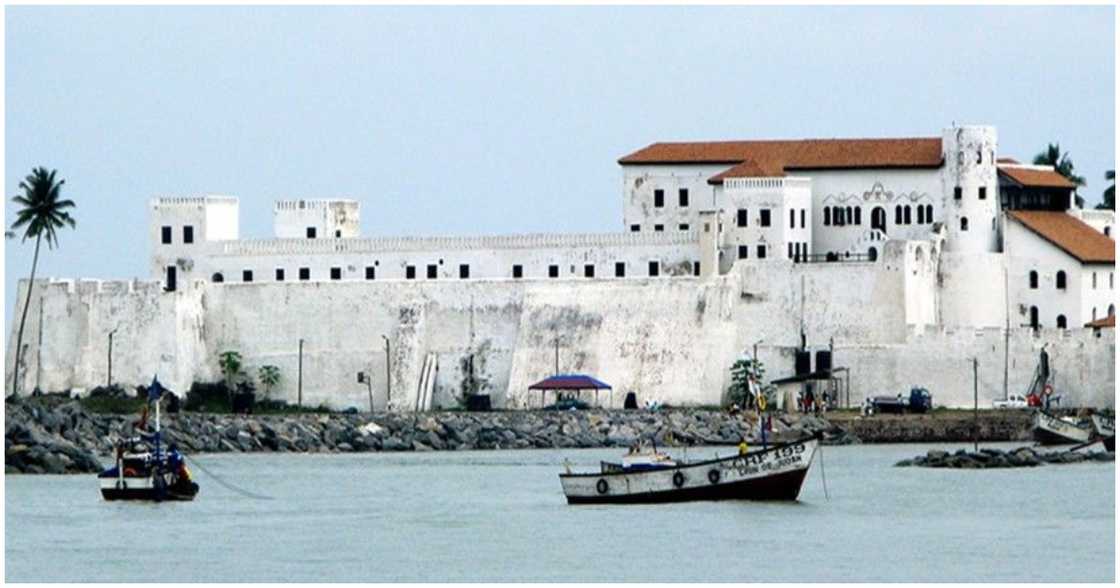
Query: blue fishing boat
[[144, 469]]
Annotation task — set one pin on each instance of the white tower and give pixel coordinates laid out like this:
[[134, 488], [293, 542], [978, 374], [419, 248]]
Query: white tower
[[183, 229], [970, 188]]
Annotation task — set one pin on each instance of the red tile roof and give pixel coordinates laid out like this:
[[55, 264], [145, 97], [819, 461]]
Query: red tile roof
[[1011, 160], [1069, 234], [1108, 321], [772, 156], [1035, 178]]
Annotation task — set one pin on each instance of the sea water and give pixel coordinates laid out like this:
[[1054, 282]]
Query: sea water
[[500, 516]]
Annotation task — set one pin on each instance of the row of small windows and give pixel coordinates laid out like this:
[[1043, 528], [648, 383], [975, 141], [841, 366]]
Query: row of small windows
[[1061, 321], [981, 193], [659, 198], [658, 228], [741, 217], [853, 215], [166, 232], [432, 272], [1060, 280]]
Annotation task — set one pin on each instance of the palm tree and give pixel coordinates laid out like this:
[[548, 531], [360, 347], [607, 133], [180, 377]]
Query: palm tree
[[1061, 163], [1109, 196], [40, 215], [269, 376]]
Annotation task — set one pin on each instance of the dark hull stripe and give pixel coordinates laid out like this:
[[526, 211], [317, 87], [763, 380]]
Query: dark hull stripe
[[142, 494], [1047, 437], [786, 486]]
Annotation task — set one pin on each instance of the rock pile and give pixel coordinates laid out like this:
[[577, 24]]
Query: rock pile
[[996, 458], [66, 438]]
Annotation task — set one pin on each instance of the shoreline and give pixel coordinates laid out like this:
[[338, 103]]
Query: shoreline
[[42, 437]]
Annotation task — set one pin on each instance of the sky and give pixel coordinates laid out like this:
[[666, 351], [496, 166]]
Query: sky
[[473, 120]]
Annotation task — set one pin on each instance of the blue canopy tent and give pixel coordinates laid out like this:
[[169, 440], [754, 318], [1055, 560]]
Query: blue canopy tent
[[571, 382]]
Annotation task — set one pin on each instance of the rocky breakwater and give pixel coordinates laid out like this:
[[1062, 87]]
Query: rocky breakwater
[[65, 438], [996, 458]]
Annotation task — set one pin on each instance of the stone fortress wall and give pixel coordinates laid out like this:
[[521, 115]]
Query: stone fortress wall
[[670, 339]]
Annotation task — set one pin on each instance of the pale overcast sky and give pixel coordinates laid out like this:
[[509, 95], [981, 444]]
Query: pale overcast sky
[[471, 120]]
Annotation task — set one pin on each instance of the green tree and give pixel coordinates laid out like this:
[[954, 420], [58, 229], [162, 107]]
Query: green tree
[[42, 212], [230, 364], [1061, 162], [1109, 196], [269, 375]]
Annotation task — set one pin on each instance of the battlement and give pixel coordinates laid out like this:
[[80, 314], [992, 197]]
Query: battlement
[[182, 201], [303, 204], [396, 244]]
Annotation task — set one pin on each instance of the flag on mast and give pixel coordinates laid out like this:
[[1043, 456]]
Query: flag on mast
[[155, 390]]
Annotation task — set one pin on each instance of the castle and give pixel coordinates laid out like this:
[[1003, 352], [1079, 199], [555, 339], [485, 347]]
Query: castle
[[908, 257]]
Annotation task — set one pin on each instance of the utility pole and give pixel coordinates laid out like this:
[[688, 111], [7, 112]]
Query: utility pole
[[557, 370], [388, 376], [109, 379], [1006, 322], [975, 405], [299, 397]]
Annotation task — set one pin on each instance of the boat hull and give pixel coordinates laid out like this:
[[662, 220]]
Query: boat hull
[[773, 474], [143, 489], [1050, 430]]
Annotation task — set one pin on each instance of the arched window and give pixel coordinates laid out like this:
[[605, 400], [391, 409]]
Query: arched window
[[217, 278], [849, 216], [838, 216], [879, 218], [1034, 317], [964, 223], [929, 213], [1094, 313], [906, 214], [872, 254], [1061, 321], [921, 215], [1111, 309], [859, 221], [1094, 280], [1034, 280], [898, 214], [827, 216], [1060, 280], [1108, 231]]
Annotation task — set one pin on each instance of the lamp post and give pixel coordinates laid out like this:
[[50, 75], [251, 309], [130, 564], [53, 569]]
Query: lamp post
[[299, 397], [109, 379], [388, 372]]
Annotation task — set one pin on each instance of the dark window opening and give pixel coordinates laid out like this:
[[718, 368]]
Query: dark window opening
[[304, 274], [929, 213], [957, 193], [859, 216], [172, 273], [654, 269], [635, 228], [743, 249], [166, 235], [803, 218], [432, 271], [964, 223], [921, 215], [789, 249], [878, 218], [554, 271], [1061, 321], [1034, 317], [983, 192], [906, 214], [827, 216], [517, 271], [741, 217], [658, 228], [683, 194], [410, 272], [337, 234], [589, 270], [761, 253], [247, 276], [764, 217], [658, 198], [696, 268], [849, 216], [619, 269], [188, 234], [336, 273], [279, 274], [217, 278], [371, 272], [310, 232], [792, 218], [683, 226], [1033, 280], [464, 271], [898, 214], [1060, 280]]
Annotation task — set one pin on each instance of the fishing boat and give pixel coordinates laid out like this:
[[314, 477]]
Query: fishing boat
[[1105, 428], [144, 469], [1048, 429], [773, 473]]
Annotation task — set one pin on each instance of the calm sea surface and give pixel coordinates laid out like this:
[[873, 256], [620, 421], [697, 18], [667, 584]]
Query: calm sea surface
[[500, 516]]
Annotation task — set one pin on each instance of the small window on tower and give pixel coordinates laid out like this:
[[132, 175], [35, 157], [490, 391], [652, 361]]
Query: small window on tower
[[654, 269], [337, 234], [696, 268], [304, 274], [743, 249], [336, 273], [371, 272], [410, 272], [464, 271], [761, 253], [188, 234], [432, 271], [279, 274], [517, 271], [635, 228], [964, 223], [659, 198], [247, 276], [741, 217], [683, 193], [619, 269], [554, 271], [683, 226], [764, 217], [983, 192], [310, 232], [165, 235], [803, 217], [589, 270], [957, 193], [658, 228]]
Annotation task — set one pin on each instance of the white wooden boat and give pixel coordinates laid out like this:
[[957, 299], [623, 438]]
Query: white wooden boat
[[1105, 428], [1048, 429], [775, 473]]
